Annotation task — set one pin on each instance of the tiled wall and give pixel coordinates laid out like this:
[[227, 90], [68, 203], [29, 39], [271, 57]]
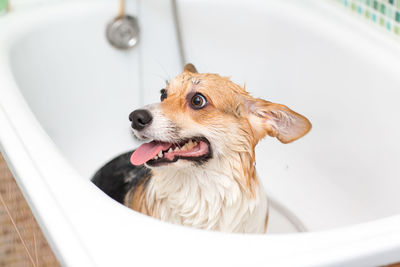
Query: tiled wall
[[384, 13]]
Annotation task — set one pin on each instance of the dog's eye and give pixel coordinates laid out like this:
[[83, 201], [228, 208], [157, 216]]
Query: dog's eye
[[198, 101], [163, 94]]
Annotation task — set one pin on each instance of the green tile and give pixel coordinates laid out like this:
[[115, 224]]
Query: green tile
[[3, 6], [390, 12], [375, 5], [396, 30], [397, 16], [381, 21], [383, 9]]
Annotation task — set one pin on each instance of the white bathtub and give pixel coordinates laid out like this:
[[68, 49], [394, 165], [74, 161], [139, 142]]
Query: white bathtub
[[65, 96]]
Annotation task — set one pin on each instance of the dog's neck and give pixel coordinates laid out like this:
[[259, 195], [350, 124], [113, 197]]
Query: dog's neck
[[217, 195]]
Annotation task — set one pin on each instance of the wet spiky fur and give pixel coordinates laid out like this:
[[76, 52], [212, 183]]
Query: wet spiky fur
[[222, 192]]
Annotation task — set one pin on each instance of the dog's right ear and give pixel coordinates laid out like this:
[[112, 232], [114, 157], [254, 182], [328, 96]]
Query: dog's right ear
[[190, 68]]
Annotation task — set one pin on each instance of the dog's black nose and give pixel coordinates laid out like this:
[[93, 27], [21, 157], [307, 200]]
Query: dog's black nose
[[140, 118]]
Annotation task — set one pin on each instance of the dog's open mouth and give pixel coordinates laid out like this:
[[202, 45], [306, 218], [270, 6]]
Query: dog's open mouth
[[159, 153]]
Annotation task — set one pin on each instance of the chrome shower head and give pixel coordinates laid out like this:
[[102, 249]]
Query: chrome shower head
[[123, 32]]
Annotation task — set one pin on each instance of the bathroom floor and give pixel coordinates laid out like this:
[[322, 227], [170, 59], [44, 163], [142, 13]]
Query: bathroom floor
[[12, 251]]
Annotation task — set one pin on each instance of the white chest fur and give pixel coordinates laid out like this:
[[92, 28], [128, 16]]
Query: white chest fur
[[209, 199]]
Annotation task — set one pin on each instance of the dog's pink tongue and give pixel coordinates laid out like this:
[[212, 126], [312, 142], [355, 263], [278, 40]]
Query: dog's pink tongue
[[148, 151]]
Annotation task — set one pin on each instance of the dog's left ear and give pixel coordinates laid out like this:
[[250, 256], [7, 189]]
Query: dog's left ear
[[275, 120], [190, 68]]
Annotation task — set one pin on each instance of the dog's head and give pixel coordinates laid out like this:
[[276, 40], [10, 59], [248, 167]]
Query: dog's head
[[205, 116]]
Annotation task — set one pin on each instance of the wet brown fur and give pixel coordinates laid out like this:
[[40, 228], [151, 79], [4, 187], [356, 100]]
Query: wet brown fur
[[225, 107], [228, 104], [136, 197]]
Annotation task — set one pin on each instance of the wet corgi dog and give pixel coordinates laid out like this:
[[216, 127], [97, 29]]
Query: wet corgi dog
[[198, 168]]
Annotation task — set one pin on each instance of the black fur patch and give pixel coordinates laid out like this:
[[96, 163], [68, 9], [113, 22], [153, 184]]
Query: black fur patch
[[118, 176]]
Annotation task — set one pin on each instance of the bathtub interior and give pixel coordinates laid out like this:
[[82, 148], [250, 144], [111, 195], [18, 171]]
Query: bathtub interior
[[343, 172], [76, 105]]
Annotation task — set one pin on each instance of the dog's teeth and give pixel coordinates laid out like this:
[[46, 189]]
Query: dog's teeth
[[176, 148], [170, 150], [156, 157], [190, 145], [160, 154]]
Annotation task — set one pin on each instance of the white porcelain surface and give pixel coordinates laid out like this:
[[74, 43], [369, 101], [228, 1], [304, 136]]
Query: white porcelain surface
[[65, 95]]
